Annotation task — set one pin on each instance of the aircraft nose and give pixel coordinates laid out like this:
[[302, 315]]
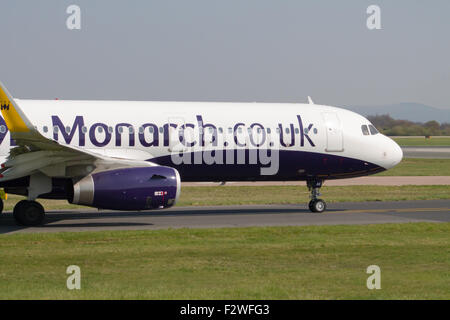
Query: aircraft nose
[[396, 153]]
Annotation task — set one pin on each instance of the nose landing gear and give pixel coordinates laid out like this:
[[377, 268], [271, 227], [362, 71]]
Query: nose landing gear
[[316, 205]]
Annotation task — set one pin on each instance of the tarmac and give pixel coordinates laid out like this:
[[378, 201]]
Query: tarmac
[[436, 152], [342, 213]]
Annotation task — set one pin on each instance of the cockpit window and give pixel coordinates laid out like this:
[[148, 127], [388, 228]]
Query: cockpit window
[[364, 129], [372, 129]]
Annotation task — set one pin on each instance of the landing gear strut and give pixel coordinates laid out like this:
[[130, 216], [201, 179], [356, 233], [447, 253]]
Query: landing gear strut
[[315, 205], [28, 213]]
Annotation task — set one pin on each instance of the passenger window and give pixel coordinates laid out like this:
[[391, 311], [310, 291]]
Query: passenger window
[[364, 129], [372, 129]]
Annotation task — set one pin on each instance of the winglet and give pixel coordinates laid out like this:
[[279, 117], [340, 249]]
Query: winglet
[[310, 100], [15, 119]]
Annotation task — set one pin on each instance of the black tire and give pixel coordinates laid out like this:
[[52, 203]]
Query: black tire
[[1, 206], [318, 205], [29, 213], [16, 210], [310, 205]]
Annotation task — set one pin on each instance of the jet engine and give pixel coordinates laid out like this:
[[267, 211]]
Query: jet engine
[[139, 188]]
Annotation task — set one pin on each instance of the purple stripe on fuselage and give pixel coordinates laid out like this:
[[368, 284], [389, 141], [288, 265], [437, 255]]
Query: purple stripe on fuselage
[[293, 165]]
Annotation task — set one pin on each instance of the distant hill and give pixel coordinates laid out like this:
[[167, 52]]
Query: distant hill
[[415, 112]]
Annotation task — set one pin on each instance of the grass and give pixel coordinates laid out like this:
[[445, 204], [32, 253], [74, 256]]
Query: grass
[[313, 262], [240, 195], [419, 167], [434, 141]]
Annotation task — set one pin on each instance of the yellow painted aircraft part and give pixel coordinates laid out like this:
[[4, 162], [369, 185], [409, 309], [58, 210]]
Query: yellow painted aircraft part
[[3, 194], [12, 118]]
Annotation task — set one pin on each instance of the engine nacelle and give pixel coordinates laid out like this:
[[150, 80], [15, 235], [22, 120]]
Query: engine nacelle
[[141, 188]]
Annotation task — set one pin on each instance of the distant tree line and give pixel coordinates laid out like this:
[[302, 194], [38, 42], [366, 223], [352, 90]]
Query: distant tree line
[[391, 127]]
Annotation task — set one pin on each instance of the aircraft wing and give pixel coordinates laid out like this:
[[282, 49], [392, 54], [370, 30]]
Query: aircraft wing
[[35, 153]]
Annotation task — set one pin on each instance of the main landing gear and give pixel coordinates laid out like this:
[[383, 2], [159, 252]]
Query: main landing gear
[[315, 205], [29, 213]]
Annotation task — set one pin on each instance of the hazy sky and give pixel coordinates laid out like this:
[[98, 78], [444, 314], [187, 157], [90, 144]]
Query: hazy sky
[[228, 50]]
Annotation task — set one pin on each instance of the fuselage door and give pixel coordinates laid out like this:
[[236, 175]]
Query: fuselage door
[[335, 139]]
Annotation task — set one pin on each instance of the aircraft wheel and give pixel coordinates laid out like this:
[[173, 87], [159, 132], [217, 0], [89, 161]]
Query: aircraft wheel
[[1, 206], [310, 205], [317, 205], [28, 213]]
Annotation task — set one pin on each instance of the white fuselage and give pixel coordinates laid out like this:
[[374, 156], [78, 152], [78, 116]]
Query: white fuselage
[[304, 139]]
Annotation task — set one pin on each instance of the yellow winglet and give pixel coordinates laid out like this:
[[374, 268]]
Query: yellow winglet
[[15, 120]]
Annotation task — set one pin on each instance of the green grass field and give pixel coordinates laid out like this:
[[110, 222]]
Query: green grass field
[[433, 141], [234, 195], [239, 195], [314, 262], [419, 167]]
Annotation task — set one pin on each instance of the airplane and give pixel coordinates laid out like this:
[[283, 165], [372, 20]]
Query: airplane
[[133, 155]]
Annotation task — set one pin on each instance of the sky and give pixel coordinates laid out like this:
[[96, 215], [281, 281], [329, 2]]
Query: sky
[[228, 50]]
